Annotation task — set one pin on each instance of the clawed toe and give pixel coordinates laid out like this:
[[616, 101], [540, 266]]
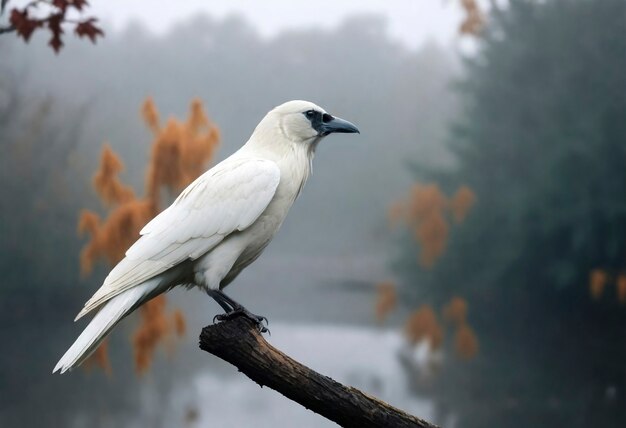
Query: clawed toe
[[257, 319], [234, 309]]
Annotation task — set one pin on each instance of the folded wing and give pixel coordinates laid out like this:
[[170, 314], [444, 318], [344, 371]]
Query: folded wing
[[225, 199]]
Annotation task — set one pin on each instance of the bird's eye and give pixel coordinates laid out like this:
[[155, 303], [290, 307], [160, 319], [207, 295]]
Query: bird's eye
[[309, 114], [327, 118]]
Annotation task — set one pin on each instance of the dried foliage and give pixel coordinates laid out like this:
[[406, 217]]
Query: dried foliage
[[106, 181], [52, 15], [426, 212], [180, 325], [112, 237], [597, 281], [151, 116], [474, 19], [180, 153], [422, 324], [386, 300], [153, 329], [180, 150], [465, 342], [455, 311], [461, 203]]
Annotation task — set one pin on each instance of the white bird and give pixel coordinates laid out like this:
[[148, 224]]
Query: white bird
[[217, 226]]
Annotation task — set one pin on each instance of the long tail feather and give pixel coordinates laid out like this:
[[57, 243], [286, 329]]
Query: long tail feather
[[109, 315]]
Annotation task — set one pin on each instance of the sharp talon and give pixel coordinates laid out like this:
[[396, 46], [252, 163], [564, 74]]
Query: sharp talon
[[259, 323], [257, 319]]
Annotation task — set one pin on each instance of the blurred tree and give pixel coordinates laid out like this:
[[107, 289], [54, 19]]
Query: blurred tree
[[43, 286], [41, 188], [426, 212], [541, 143], [53, 15], [180, 153]]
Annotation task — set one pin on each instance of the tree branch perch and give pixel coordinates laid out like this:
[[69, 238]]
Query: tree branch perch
[[238, 342]]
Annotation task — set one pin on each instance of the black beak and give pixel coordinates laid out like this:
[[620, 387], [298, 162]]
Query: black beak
[[332, 124]]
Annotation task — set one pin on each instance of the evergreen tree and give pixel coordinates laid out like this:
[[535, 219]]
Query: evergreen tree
[[541, 142]]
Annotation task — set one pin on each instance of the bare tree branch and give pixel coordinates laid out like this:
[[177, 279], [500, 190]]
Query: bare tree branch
[[238, 342]]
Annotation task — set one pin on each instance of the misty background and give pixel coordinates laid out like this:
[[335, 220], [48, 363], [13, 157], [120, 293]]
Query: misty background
[[530, 118]]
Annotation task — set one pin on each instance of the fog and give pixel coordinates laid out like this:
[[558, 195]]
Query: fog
[[461, 258]]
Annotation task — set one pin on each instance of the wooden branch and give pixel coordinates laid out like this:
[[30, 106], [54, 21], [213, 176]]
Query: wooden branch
[[239, 342]]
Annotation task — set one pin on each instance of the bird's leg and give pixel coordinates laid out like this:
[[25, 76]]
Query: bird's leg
[[218, 296], [234, 309]]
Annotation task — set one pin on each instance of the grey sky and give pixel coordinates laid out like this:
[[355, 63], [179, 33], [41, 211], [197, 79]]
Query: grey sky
[[411, 21]]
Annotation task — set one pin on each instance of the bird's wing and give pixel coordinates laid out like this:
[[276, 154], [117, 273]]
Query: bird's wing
[[227, 198]]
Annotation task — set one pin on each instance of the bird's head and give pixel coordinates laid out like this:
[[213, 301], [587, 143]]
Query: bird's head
[[305, 122]]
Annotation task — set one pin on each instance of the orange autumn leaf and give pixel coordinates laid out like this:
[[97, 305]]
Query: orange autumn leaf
[[465, 342], [432, 235], [426, 216], [106, 181], [597, 281], [474, 20], [456, 310], [422, 324], [180, 152], [425, 201], [180, 325], [461, 203], [150, 115], [110, 239], [426, 212], [153, 329]]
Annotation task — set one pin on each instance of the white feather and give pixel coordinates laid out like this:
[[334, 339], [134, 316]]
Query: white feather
[[217, 226], [227, 198], [101, 324]]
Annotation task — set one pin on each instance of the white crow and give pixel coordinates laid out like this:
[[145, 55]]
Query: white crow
[[217, 226]]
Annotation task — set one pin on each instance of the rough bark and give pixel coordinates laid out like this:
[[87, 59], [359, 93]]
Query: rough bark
[[239, 342]]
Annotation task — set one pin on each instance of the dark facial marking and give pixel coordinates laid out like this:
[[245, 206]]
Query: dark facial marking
[[318, 120]]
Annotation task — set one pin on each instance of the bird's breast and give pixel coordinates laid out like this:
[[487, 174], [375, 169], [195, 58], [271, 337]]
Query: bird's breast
[[291, 182]]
